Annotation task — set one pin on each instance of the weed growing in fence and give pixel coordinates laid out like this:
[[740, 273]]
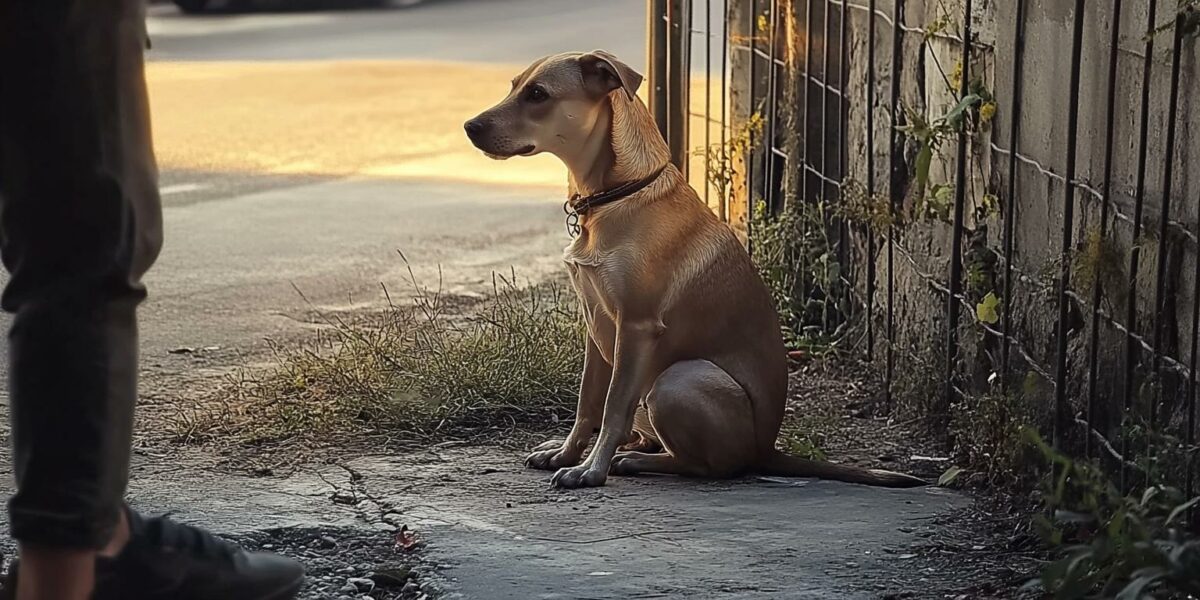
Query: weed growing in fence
[[799, 264], [722, 160], [1113, 545], [988, 437], [1100, 261]]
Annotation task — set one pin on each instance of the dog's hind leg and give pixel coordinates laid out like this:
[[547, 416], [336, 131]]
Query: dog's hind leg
[[704, 421]]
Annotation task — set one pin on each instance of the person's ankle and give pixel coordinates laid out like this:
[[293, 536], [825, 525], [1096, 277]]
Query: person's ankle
[[119, 539], [55, 573]]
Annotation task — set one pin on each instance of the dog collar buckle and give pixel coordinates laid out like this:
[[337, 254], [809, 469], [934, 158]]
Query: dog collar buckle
[[573, 228]]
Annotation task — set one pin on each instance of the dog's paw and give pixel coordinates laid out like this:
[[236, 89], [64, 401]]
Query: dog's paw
[[549, 445], [551, 455], [578, 477], [623, 464]]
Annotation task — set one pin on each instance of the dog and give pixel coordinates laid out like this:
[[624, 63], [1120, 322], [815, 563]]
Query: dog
[[684, 351]]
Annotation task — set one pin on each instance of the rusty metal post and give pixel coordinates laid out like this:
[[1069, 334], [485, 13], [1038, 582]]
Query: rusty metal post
[[656, 63], [679, 52]]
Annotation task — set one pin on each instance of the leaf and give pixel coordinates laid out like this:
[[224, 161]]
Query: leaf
[[987, 311], [924, 158], [1181, 509], [954, 117], [1149, 494], [1068, 516], [949, 476], [1136, 588]]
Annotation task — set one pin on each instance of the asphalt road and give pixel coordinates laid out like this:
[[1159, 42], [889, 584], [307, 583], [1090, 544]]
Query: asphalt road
[[301, 148]]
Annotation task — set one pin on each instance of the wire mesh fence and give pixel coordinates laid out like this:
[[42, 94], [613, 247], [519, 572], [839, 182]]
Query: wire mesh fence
[[1004, 195]]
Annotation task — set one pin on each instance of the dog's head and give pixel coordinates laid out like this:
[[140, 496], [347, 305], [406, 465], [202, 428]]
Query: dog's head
[[553, 106]]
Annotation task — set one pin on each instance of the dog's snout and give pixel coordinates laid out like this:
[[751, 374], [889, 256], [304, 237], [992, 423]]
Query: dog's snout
[[476, 128]]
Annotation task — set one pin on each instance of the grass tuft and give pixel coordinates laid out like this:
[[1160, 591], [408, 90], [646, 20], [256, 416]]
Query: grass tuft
[[416, 371]]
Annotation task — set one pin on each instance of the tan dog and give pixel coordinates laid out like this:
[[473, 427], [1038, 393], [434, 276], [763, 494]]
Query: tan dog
[[684, 349]]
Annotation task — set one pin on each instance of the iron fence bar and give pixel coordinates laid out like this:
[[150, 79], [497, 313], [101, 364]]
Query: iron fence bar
[[723, 201], [1189, 465], [960, 189], [657, 42], [1011, 216], [827, 314], [1110, 120], [802, 106], [679, 80], [843, 124], [824, 100], [1164, 217], [803, 146], [870, 110], [751, 110], [1064, 274], [685, 85], [896, 147], [708, 120], [1135, 248], [772, 111]]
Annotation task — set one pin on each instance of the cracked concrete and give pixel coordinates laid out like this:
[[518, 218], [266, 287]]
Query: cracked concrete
[[499, 531]]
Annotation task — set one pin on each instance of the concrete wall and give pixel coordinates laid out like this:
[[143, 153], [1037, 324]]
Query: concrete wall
[[1037, 202]]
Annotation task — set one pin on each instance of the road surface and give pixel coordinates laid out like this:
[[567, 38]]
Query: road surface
[[302, 149]]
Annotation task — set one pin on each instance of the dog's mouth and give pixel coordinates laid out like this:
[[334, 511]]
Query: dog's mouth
[[522, 151]]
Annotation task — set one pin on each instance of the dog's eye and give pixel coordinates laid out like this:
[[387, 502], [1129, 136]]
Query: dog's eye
[[535, 94]]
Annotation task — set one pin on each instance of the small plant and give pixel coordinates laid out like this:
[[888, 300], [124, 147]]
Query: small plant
[[722, 159], [1113, 545], [799, 264], [930, 135], [412, 372], [1100, 261], [988, 437]]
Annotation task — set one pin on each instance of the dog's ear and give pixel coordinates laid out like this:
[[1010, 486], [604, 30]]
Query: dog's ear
[[605, 73]]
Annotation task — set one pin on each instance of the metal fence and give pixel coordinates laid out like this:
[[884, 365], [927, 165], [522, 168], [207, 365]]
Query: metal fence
[[1119, 366]]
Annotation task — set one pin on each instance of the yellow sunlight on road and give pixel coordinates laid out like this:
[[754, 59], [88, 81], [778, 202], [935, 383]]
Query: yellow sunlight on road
[[390, 119], [384, 119]]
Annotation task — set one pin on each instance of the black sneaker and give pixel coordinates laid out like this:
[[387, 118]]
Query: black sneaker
[[165, 560]]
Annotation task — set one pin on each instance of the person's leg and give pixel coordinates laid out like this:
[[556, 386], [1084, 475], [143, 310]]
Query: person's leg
[[80, 225]]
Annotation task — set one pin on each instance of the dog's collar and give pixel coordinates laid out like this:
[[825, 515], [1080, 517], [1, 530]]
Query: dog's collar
[[577, 205]]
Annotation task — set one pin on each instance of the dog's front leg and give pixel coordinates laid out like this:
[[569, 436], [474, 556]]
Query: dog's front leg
[[597, 375], [634, 369]]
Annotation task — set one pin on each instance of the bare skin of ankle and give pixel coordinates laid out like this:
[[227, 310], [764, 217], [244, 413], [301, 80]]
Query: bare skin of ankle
[[119, 539], [60, 574], [55, 573]]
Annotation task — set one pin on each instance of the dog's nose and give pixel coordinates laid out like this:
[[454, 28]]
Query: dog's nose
[[475, 127]]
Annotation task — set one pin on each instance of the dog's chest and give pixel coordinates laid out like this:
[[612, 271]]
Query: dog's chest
[[597, 307]]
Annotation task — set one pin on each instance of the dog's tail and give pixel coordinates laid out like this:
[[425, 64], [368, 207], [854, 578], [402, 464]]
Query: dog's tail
[[783, 465]]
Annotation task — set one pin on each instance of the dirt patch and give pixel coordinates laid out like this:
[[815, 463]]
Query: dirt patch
[[983, 551], [348, 563]]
